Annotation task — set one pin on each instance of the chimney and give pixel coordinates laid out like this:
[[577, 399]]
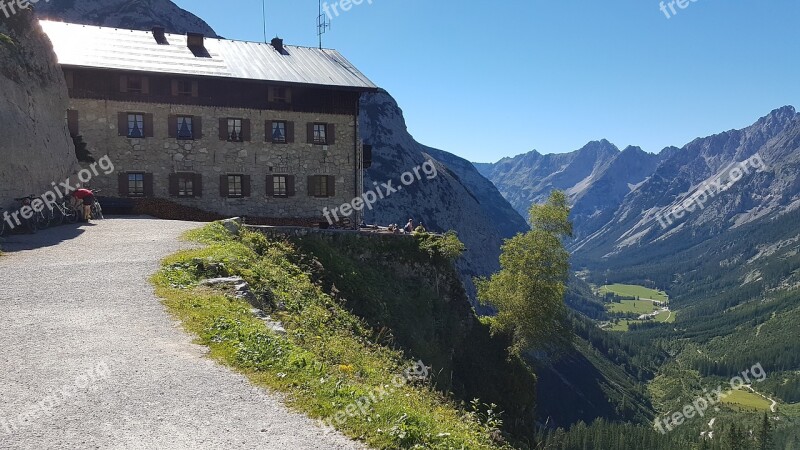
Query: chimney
[[159, 34], [195, 40], [278, 44]]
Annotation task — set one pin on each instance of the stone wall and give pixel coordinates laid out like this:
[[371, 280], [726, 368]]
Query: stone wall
[[212, 157], [35, 147]]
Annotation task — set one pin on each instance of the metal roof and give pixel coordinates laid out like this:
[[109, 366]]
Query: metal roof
[[119, 49]]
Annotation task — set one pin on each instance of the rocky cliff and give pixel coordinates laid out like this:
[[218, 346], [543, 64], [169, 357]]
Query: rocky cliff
[[458, 198], [131, 14], [36, 148]]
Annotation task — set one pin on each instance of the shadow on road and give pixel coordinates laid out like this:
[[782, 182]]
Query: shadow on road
[[44, 238]]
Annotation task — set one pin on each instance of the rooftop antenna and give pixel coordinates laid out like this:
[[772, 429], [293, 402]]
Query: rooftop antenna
[[323, 24], [264, 17]]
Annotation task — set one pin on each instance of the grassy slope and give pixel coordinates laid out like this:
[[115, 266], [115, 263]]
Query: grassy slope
[[632, 306], [424, 305], [328, 360], [631, 290]]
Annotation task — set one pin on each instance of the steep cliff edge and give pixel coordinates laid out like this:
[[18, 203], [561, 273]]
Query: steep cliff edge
[[458, 198], [36, 148], [416, 303]]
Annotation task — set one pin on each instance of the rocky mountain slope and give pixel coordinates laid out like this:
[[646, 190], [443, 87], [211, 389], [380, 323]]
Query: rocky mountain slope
[[36, 148], [459, 198], [596, 178], [630, 201], [709, 187], [132, 14]]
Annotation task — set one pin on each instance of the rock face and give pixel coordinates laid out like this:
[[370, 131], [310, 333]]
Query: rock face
[[625, 203], [130, 14], [457, 198], [36, 148], [596, 178], [768, 156]]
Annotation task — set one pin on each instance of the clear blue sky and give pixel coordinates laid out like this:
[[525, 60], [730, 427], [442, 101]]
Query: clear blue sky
[[487, 79]]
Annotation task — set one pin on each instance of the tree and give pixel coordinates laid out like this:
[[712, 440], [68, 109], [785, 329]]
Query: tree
[[765, 434], [528, 291]]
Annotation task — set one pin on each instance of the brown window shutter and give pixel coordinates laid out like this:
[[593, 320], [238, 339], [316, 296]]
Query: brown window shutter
[[270, 94], [72, 122], [246, 130], [331, 186], [289, 132], [223, 129], [174, 88], [122, 180], [198, 185], [223, 185], [69, 77], [310, 133], [330, 131], [246, 186], [145, 85], [268, 131], [310, 185], [173, 185], [195, 89], [197, 127], [290, 188], [270, 186], [148, 185], [122, 123], [172, 125], [123, 83], [148, 126]]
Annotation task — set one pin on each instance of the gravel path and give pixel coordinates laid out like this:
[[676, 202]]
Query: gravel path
[[91, 359]]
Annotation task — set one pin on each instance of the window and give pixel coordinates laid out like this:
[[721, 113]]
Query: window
[[319, 186], [280, 95], [320, 133], [235, 130], [185, 185], [135, 126], [280, 185], [185, 128], [136, 184], [279, 132], [185, 88], [135, 85], [235, 186]]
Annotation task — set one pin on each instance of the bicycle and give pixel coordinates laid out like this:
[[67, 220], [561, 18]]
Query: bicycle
[[97, 210], [63, 212], [32, 224]]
